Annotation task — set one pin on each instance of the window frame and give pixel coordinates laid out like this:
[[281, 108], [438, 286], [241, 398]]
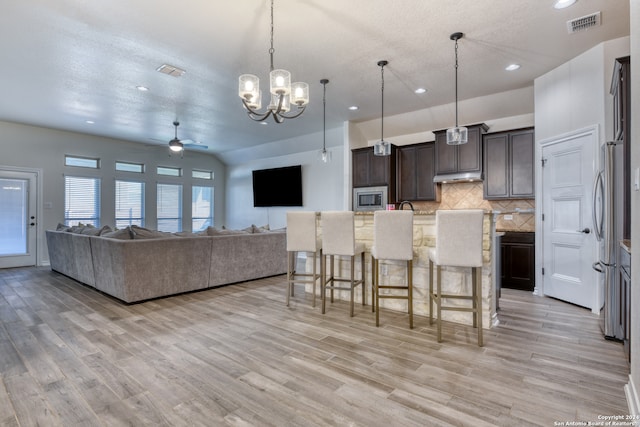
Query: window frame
[[180, 217], [97, 205], [131, 221], [209, 218]]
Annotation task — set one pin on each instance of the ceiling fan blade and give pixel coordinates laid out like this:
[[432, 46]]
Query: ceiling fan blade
[[196, 146]]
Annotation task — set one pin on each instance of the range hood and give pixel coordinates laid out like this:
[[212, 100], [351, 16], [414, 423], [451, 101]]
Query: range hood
[[458, 177]]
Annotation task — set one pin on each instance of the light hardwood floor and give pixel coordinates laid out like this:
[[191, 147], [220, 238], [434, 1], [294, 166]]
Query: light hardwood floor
[[70, 356]]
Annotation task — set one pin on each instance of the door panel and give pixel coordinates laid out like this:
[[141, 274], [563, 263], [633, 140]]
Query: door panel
[[18, 235], [566, 199]]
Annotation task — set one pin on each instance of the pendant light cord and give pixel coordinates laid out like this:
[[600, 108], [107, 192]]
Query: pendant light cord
[[456, 67], [271, 50], [324, 117], [382, 113]]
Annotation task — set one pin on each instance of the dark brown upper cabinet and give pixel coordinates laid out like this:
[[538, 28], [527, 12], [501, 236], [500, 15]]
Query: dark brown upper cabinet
[[415, 172], [508, 165], [369, 170], [465, 158]]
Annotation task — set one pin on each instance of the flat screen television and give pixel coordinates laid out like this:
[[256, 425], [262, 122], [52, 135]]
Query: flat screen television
[[277, 187]]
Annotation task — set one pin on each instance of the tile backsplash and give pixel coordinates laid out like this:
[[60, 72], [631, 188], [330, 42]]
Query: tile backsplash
[[469, 195]]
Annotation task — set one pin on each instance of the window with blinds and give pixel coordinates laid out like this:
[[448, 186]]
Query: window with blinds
[[81, 200], [169, 207], [129, 203], [201, 208]]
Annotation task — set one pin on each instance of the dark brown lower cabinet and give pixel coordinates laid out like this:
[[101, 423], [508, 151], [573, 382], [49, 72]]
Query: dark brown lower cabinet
[[517, 252]]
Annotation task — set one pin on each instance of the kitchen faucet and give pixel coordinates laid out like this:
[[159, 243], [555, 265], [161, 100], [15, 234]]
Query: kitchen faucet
[[405, 202]]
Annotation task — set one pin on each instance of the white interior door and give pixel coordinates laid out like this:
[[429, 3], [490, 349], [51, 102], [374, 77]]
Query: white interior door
[[568, 242], [18, 231]]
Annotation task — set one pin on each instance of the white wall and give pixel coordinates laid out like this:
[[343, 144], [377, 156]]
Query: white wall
[[322, 185], [576, 94], [42, 148], [572, 97]]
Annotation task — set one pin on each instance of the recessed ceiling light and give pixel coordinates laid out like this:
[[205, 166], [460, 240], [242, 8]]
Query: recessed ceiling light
[[264, 123], [142, 88], [561, 4], [89, 122], [420, 90], [353, 108], [512, 67]]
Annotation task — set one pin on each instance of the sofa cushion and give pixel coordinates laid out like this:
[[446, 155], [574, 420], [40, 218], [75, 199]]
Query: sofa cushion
[[145, 233], [215, 231], [63, 227], [122, 234], [93, 231]]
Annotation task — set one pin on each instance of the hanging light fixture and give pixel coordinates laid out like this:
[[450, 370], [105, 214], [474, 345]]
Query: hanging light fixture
[[457, 135], [323, 154], [283, 92], [382, 147]]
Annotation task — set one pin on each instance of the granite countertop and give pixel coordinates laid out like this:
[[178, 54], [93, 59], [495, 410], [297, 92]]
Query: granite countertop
[[626, 245]]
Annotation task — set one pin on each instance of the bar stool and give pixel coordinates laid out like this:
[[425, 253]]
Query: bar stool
[[392, 240], [302, 237], [458, 244], [339, 239]]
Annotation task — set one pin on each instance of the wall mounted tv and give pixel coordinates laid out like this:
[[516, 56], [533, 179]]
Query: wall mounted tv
[[277, 187]]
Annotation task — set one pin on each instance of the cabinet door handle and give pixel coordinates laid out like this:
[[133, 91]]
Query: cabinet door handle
[[586, 230]]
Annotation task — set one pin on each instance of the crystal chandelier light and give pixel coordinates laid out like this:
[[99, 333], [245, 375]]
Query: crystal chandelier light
[[283, 92], [457, 135], [323, 154], [382, 147]]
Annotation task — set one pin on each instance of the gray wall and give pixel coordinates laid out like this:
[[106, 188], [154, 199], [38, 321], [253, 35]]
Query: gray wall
[[322, 184], [42, 148]]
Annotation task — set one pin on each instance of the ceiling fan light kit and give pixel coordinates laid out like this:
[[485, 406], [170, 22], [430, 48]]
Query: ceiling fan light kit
[[457, 135], [175, 144], [283, 92]]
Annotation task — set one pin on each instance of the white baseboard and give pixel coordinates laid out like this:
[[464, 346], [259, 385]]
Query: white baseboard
[[632, 397]]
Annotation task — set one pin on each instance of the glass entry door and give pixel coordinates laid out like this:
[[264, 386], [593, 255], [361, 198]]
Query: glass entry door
[[17, 218]]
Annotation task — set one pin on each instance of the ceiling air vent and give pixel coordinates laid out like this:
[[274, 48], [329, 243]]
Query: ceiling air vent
[[170, 70], [584, 23]]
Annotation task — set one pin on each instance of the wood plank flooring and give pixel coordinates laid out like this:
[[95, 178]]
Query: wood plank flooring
[[237, 356]]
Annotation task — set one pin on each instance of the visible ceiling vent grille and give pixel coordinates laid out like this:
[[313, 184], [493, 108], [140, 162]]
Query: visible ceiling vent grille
[[170, 70], [584, 23]]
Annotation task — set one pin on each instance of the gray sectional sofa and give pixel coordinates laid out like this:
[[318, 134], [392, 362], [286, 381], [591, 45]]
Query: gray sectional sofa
[[139, 268]]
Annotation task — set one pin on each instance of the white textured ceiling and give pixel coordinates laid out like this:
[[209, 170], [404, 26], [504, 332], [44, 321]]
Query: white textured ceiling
[[68, 61]]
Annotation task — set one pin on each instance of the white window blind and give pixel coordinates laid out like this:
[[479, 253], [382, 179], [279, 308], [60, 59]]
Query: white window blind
[[81, 200], [169, 207], [129, 203], [201, 207]]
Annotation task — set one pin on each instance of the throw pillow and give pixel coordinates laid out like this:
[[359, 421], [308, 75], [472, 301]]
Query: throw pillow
[[121, 234], [145, 233]]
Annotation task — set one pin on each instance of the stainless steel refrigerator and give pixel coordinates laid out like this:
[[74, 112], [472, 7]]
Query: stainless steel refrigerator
[[607, 224]]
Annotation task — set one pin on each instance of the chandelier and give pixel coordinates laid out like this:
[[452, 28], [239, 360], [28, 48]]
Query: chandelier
[[382, 147], [283, 93], [457, 135]]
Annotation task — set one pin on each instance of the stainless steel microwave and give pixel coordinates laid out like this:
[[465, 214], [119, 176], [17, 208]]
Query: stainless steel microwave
[[369, 198]]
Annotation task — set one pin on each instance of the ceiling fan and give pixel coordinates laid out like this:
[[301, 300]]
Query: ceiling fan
[[178, 145]]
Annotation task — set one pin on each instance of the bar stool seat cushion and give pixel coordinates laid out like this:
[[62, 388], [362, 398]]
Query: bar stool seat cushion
[[458, 246], [395, 229]]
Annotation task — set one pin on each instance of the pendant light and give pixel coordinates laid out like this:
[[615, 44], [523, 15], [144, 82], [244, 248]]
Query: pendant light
[[323, 154], [459, 134], [382, 147]]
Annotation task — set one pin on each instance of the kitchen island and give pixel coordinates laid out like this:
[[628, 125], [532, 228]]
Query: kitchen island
[[454, 280]]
